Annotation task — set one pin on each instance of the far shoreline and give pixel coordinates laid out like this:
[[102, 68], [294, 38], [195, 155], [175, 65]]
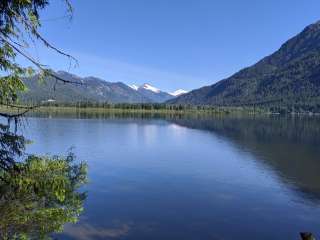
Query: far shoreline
[[133, 109]]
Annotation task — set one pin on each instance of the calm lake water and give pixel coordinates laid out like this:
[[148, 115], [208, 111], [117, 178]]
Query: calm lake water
[[194, 177]]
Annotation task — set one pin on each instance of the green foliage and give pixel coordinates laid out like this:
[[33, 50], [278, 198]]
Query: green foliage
[[15, 17], [11, 147], [19, 22], [40, 196]]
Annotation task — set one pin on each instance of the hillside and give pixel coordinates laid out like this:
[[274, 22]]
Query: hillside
[[92, 90], [290, 77]]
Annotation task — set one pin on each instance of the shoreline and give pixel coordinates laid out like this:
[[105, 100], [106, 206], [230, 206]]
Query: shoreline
[[206, 111]]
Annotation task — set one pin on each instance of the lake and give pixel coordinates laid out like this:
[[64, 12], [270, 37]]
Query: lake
[[192, 177]]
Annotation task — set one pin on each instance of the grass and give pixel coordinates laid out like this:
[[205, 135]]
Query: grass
[[217, 110]]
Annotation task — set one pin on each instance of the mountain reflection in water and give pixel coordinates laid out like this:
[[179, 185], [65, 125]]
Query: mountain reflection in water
[[290, 146]]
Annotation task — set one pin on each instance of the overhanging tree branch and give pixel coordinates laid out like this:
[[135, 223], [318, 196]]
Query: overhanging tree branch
[[45, 42], [17, 115], [39, 65]]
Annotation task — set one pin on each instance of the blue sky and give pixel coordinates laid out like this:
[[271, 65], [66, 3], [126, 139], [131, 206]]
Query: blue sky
[[171, 43]]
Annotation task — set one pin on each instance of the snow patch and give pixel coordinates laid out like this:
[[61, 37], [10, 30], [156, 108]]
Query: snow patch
[[178, 92], [134, 87], [151, 88]]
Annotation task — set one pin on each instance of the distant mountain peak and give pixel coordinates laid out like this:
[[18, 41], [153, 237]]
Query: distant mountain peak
[[314, 26], [155, 94], [134, 87], [150, 88], [67, 74], [147, 86], [178, 92]]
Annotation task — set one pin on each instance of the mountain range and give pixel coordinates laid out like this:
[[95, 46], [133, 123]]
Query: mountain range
[[91, 89], [289, 77]]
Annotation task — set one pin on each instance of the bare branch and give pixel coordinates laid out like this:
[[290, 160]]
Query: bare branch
[[17, 115], [37, 64], [19, 106], [55, 18], [47, 44], [44, 41]]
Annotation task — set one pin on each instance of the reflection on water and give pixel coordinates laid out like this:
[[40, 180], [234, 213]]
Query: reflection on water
[[291, 146], [190, 177], [38, 195]]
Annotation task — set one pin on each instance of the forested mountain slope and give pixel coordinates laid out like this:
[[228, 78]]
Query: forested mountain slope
[[289, 77]]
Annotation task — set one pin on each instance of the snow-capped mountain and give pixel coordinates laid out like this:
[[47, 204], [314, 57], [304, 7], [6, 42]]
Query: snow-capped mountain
[[178, 92], [155, 94], [93, 90], [145, 86], [134, 87], [150, 88]]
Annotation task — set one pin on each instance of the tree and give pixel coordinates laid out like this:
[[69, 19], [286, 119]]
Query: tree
[[12, 146], [39, 194], [19, 24], [40, 197]]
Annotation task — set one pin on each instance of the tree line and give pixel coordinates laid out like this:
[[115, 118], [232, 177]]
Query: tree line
[[276, 108]]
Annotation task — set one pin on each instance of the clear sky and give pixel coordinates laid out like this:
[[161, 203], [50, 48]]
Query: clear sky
[[171, 44]]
